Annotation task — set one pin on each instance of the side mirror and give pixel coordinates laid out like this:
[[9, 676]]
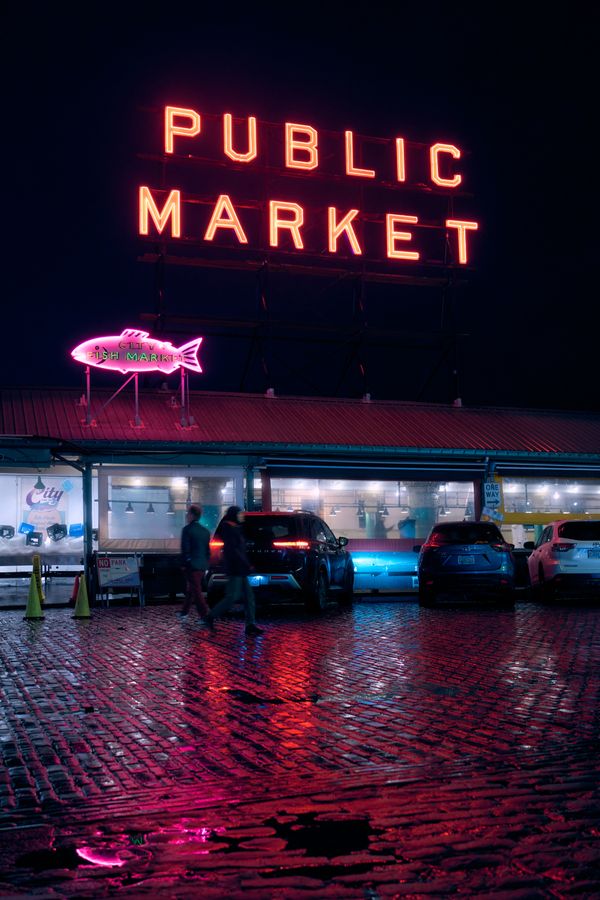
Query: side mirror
[[417, 548], [529, 545], [342, 541]]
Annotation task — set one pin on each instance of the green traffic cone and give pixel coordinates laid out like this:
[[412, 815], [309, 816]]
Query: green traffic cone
[[82, 606], [34, 606]]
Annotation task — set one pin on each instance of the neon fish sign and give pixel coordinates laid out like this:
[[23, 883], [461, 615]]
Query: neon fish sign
[[136, 351]]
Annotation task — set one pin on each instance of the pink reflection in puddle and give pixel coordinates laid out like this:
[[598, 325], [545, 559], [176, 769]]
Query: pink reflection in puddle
[[100, 858]]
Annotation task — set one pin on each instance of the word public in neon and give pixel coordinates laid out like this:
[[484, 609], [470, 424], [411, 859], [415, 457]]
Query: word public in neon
[[286, 222], [135, 351]]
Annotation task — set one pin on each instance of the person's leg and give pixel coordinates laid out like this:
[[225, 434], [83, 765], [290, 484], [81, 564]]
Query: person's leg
[[249, 602], [197, 595], [187, 597], [232, 593]]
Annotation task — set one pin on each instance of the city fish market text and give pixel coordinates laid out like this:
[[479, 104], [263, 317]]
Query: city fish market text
[[136, 351], [288, 222]]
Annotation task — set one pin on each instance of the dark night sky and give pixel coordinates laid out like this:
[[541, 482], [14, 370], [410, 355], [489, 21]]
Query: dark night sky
[[516, 92]]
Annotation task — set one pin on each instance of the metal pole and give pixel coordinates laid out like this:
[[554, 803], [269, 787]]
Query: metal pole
[[88, 409], [183, 418], [88, 509], [137, 420], [250, 488]]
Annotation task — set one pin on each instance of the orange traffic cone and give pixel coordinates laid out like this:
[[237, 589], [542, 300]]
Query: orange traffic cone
[[75, 591], [82, 606], [34, 607]]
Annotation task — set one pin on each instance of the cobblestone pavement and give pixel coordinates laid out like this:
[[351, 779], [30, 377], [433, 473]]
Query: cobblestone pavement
[[382, 751]]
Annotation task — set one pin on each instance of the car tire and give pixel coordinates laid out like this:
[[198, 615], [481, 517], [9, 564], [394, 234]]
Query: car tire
[[544, 589], [426, 599], [346, 595], [316, 600]]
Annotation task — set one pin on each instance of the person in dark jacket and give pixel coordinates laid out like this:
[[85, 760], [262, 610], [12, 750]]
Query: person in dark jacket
[[195, 540], [237, 569]]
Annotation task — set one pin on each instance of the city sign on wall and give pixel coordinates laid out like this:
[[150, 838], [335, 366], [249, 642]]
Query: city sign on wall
[[217, 186]]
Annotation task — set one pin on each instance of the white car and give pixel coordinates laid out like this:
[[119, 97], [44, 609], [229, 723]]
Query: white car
[[565, 560]]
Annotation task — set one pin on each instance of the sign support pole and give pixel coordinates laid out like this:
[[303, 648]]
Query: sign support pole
[[137, 419], [88, 505]]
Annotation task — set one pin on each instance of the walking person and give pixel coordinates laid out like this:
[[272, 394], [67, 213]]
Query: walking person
[[195, 540], [237, 569]]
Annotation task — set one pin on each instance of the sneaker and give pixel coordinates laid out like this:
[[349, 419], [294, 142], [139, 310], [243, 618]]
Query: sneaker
[[182, 615], [254, 629]]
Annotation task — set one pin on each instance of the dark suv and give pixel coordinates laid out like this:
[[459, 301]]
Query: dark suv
[[465, 560], [293, 554]]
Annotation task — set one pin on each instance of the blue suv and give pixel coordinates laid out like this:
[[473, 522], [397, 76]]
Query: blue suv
[[465, 561]]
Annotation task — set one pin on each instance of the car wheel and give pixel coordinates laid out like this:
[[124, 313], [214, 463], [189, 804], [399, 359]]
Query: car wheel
[[317, 599], [426, 599], [544, 590], [346, 595]]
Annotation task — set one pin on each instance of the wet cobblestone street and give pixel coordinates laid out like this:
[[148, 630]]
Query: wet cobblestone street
[[374, 752]]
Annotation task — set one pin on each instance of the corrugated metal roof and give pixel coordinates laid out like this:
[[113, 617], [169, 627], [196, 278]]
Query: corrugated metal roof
[[259, 420]]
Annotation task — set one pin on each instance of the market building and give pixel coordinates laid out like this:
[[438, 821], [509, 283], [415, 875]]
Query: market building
[[115, 479]]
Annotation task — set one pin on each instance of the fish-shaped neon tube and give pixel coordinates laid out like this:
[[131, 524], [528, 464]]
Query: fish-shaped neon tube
[[136, 351]]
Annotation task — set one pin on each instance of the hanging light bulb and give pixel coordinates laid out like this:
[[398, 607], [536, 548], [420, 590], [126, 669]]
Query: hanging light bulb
[[39, 485], [129, 508], [150, 508]]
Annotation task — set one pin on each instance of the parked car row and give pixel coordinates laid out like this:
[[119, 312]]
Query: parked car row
[[296, 554]]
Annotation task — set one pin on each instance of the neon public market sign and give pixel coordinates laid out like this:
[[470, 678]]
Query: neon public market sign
[[383, 175]]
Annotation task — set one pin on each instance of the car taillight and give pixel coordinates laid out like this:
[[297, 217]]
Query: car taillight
[[560, 547], [297, 545], [498, 546], [216, 545]]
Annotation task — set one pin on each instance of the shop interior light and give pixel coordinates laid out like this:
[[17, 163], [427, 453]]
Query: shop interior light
[[150, 508], [556, 495], [129, 508], [39, 485]]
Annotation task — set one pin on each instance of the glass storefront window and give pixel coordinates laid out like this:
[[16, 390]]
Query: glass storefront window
[[42, 512], [146, 509], [555, 496], [376, 509]]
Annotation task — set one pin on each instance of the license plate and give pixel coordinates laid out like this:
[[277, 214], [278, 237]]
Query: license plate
[[466, 560], [594, 554]]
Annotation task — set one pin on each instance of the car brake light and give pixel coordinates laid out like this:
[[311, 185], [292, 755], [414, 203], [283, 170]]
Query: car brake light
[[216, 545], [298, 545], [498, 546], [560, 547]]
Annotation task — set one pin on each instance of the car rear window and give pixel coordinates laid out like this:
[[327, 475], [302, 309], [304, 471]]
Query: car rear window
[[469, 533], [580, 531], [266, 529]]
